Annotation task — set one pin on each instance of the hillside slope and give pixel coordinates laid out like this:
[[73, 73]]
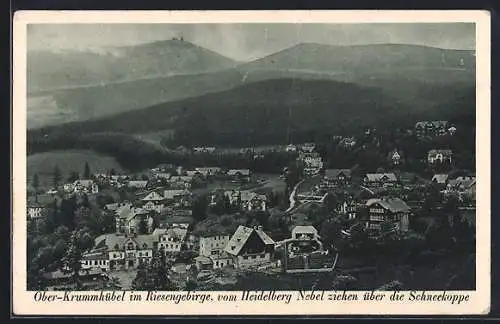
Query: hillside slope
[[263, 112], [51, 70], [390, 58], [417, 74]]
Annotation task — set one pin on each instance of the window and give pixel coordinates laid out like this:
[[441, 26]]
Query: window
[[377, 218]]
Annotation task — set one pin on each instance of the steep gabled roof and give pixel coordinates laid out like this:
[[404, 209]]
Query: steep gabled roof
[[379, 176], [395, 205], [241, 236], [334, 173]]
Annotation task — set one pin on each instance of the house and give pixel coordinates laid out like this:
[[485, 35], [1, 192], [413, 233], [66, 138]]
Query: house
[[348, 207], [302, 232], [440, 156], [204, 149], [182, 181], [240, 174], [161, 175], [246, 200], [62, 279], [37, 211], [441, 179], [82, 186], [137, 184], [112, 207], [387, 210], [175, 194], [86, 186], [250, 247], [221, 260], [212, 247], [171, 240], [334, 178], [464, 186], [308, 147], [126, 251], [176, 222], [213, 244], [128, 218], [348, 142], [395, 157], [193, 174], [154, 197], [163, 168], [313, 162], [95, 259], [209, 171], [203, 263], [380, 179], [252, 201], [431, 128], [157, 207]]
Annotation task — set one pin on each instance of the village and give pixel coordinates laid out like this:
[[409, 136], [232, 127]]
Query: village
[[207, 225]]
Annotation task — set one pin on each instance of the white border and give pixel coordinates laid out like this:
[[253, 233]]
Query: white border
[[23, 303]]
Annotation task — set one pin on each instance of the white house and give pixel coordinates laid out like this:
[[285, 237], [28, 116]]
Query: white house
[[208, 171], [126, 251], [213, 244], [305, 233], [36, 211], [171, 239], [439, 156]]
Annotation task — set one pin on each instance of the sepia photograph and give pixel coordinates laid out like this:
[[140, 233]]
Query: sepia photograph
[[258, 157]]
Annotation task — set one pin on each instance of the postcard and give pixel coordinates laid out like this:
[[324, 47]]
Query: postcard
[[251, 163]]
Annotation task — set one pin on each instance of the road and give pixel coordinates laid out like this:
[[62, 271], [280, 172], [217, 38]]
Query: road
[[292, 196]]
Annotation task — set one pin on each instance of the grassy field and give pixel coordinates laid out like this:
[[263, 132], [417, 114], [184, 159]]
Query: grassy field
[[68, 161]]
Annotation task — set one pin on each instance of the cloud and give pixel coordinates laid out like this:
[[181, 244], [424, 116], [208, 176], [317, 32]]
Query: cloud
[[248, 41]]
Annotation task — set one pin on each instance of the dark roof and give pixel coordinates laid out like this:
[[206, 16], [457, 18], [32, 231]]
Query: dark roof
[[178, 219], [112, 240], [241, 236], [333, 173], [379, 176], [395, 205]]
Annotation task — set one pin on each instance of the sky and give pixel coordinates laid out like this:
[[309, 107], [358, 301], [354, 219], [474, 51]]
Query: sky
[[244, 42]]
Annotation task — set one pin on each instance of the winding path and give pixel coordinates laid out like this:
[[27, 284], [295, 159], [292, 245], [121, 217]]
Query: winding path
[[292, 196]]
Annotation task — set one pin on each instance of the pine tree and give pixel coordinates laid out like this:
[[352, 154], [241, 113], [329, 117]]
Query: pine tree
[[86, 171], [73, 177], [143, 226], [72, 260], [56, 176]]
